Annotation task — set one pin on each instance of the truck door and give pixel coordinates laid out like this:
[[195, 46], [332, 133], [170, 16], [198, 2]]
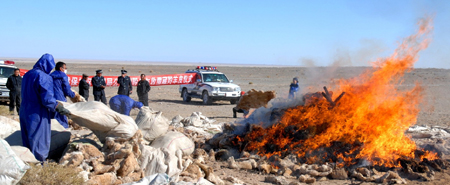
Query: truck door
[[196, 84]]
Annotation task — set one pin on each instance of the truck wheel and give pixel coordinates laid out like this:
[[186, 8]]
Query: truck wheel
[[186, 97], [233, 102], [206, 98]]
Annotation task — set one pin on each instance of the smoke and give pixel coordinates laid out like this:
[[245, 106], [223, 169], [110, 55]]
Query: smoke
[[307, 62], [314, 77], [368, 51], [317, 76], [437, 55]]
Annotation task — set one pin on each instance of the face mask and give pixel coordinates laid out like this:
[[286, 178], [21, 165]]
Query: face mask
[[65, 71]]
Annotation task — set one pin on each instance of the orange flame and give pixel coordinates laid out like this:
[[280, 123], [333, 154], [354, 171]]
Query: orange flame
[[373, 114]]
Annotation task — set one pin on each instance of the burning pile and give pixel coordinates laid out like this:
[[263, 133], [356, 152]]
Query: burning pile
[[368, 123], [365, 125]]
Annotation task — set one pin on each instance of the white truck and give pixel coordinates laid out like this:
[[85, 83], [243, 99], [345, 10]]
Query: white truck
[[6, 70], [210, 85]]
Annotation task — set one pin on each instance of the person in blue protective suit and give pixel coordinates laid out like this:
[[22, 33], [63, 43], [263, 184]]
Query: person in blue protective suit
[[293, 88], [123, 104], [38, 106], [61, 88]]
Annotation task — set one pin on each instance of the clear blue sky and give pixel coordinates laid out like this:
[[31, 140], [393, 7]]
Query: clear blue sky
[[249, 32]]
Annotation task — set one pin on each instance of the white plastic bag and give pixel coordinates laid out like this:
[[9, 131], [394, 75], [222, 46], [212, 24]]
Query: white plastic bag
[[174, 141], [58, 142], [160, 160], [155, 179], [201, 124], [151, 123], [8, 126], [197, 120], [56, 126], [12, 168], [103, 121], [25, 154]]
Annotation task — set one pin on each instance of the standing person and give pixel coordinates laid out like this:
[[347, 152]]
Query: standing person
[[99, 84], [83, 87], [124, 82], [14, 84], [142, 89], [61, 89], [293, 88], [123, 104], [38, 106]]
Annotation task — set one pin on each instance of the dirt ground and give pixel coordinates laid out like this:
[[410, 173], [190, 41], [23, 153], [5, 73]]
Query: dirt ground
[[434, 107]]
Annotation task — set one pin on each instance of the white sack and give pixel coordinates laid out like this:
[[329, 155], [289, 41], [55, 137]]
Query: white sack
[[8, 126], [59, 139], [24, 154], [155, 179], [56, 126], [12, 168], [173, 141], [428, 132], [151, 123], [197, 120], [176, 121], [103, 121], [160, 160]]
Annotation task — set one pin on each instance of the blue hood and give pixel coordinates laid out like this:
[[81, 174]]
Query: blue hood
[[46, 63], [138, 104]]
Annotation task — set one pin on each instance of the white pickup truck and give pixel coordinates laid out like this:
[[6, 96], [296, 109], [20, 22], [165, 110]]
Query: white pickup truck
[[210, 85]]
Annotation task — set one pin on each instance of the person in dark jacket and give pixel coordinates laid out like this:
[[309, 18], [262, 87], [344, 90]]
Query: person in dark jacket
[[83, 87], [124, 82], [293, 89], [142, 89], [38, 106], [123, 104], [61, 89], [14, 84], [99, 84]]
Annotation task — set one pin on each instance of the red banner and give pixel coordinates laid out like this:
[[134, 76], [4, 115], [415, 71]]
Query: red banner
[[156, 80]]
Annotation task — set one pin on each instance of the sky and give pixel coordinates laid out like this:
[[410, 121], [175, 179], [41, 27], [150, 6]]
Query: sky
[[294, 33]]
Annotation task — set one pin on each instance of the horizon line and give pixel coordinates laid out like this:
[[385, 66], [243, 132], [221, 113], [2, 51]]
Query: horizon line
[[163, 63]]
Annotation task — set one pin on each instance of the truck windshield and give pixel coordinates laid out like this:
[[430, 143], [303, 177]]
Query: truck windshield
[[6, 72], [215, 78]]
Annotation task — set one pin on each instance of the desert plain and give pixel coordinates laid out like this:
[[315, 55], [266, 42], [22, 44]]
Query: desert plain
[[434, 106]]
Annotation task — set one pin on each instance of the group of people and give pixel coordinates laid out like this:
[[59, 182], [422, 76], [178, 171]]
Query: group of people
[[39, 90], [36, 96], [61, 88], [120, 103], [125, 87]]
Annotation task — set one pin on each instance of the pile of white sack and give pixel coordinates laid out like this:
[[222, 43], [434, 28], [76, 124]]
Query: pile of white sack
[[198, 123], [425, 131], [132, 149], [431, 138], [14, 157], [129, 150]]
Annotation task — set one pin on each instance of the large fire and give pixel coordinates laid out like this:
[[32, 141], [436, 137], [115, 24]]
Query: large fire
[[368, 122]]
